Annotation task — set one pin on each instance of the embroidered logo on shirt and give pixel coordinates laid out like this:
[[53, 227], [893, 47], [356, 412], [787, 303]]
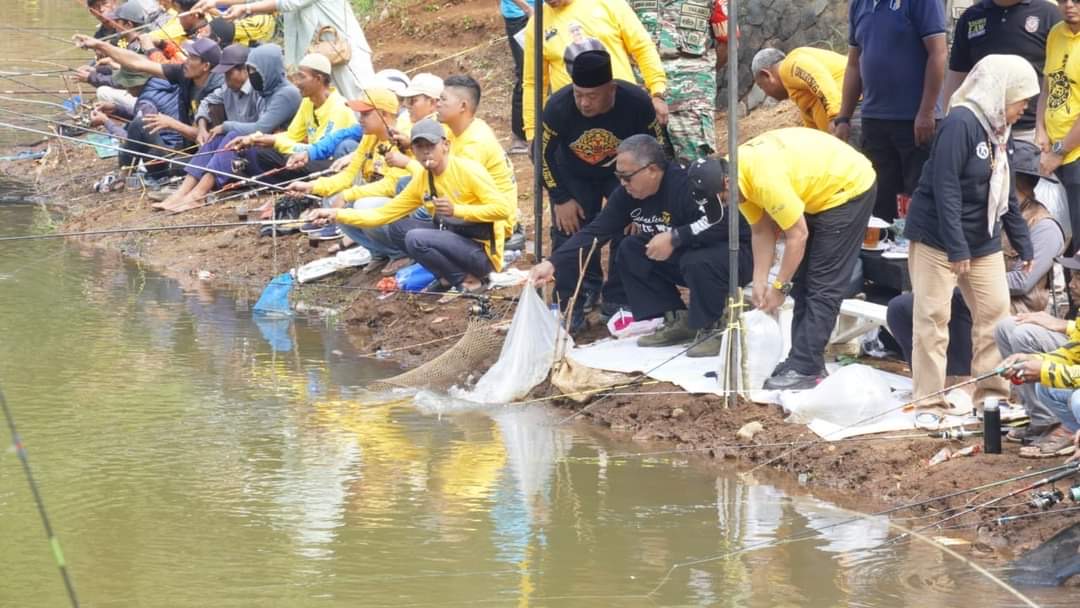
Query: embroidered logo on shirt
[[1031, 24], [595, 146], [976, 28], [982, 150], [1057, 95]]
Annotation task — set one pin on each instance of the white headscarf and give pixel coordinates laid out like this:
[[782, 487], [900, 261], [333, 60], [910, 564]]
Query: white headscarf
[[996, 82]]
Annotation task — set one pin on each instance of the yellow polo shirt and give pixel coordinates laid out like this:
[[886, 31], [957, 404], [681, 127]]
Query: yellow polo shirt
[[814, 79], [789, 172], [465, 183], [1063, 84], [311, 123], [588, 25]]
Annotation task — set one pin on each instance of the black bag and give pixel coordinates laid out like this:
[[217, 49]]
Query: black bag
[[477, 231]]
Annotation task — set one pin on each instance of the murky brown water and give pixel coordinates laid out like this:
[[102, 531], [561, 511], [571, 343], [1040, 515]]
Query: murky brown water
[[191, 455]]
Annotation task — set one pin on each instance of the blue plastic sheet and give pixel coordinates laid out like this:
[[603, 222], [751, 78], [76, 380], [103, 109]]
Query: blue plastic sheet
[[274, 299]]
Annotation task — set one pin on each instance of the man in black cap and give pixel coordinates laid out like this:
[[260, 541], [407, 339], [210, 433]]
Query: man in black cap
[[675, 243], [194, 79], [584, 123]]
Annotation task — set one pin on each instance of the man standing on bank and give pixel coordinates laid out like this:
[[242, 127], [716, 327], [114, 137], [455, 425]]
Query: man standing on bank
[[819, 192], [896, 61]]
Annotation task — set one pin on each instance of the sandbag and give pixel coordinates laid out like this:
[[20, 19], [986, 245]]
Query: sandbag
[[852, 394], [527, 353]]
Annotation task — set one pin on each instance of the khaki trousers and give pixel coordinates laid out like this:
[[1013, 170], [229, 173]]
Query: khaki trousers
[[987, 296]]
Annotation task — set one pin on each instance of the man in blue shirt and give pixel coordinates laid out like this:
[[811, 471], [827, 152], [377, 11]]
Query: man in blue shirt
[[896, 62], [516, 14]]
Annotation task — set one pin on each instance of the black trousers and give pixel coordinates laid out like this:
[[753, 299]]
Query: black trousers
[[832, 249], [653, 286], [590, 194], [890, 146], [1070, 178], [900, 318], [513, 26], [447, 255], [139, 137]]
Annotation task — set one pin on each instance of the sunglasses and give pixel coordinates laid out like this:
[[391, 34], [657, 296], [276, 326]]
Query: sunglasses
[[626, 177]]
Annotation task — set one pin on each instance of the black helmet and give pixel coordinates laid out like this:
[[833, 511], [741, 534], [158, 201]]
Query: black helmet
[[707, 177]]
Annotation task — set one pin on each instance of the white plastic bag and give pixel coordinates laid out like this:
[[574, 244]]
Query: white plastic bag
[[765, 346], [853, 394], [527, 354]]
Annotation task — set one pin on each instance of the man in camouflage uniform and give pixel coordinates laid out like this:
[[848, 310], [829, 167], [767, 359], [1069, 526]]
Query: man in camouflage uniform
[[683, 36]]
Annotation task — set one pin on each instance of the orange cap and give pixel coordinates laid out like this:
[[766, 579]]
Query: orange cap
[[377, 99]]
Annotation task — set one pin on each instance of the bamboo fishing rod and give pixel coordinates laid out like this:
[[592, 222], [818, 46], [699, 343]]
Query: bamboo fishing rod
[[54, 542], [159, 159], [108, 231]]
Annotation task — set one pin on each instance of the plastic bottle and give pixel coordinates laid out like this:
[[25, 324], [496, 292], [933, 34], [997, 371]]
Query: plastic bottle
[[991, 426]]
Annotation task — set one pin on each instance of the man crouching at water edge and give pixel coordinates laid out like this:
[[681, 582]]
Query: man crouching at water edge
[[671, 243], [819, 192], [464, 242]]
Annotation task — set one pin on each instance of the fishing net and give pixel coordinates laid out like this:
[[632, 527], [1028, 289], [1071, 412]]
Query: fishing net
[[473, 353], [1051, 563]]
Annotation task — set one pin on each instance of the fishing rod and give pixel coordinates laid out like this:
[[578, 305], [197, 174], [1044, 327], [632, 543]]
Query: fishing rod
[[254, 191], [54, 542], [139, 28], [159, 159], [906, 407], [35, 88], [107, 231], [35, 101], [211, 198], [1004, 520]]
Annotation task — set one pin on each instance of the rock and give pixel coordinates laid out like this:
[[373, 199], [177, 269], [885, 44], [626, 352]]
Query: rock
[[747, 432], [678, 412]]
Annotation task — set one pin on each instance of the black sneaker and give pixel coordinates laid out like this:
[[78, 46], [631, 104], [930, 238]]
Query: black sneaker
[[791, 380]]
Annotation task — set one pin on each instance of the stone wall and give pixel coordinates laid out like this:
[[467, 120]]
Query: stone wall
[[784, 24]]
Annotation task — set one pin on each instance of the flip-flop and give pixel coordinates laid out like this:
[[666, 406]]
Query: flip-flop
[[1058, 443]]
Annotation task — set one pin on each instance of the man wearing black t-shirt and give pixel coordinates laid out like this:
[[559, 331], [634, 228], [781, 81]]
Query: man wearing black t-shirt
[[583, 125], [193, 78], [1002, 27]]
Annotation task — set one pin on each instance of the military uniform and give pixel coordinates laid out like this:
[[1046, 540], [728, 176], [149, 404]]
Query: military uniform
[[683, 36]]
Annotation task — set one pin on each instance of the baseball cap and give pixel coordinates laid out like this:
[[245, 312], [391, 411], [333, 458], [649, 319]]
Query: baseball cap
[[222, 32], [316, 62], [428, 130], [383, 100], [424, 84], [1025, 159], [234, 55], [395, 80], [130, 11], [126, 79], [204, 49]]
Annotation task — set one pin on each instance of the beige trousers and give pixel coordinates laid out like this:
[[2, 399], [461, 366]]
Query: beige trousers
[[987, 296]]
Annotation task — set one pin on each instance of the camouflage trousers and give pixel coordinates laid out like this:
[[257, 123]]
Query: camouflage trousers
[[691, 98]]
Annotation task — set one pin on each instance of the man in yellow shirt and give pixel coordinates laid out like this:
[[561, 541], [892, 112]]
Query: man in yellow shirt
[[1056, 130], [812, 78], [819, 192], [574, 26], [322, 110], [464, 243]]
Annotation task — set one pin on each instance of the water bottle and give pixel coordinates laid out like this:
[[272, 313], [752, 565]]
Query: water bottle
[[991, 426]]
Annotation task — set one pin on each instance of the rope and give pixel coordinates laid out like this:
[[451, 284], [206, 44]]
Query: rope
[[457, 54]]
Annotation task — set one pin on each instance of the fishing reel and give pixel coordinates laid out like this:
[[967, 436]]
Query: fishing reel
[[1046, 499], [239, 166], [481, 308]]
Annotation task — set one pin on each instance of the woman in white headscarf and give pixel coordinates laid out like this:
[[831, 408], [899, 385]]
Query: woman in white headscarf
[[303, 19], [965, 196]]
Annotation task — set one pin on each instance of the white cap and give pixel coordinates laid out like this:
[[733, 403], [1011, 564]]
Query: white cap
[[395, 80], [424, 84], [317, 62]]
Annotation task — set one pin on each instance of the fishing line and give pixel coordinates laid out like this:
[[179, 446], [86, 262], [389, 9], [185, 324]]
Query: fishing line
[[62, 235], [157, 158], [34, 101], [54, 542]]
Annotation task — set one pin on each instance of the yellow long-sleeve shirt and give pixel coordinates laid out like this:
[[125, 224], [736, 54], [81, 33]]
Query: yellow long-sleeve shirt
[[464, 183], [789, 172], [814, 79], [172, 31], [587, 25], [369, 163], [1061, 368], [311, 123]]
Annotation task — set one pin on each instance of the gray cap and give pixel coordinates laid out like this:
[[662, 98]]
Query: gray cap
[[429, 130], [130, 11], [765, 59], [1025, 159]]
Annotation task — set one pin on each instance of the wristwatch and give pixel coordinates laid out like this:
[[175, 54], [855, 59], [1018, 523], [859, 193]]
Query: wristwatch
[[1058, 148], [782, 287], [842, 120]]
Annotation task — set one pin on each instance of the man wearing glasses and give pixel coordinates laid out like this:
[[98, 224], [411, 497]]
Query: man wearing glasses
[[584, 123], [671, 244]]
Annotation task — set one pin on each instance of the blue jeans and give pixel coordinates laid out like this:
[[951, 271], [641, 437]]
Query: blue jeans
[[1063, 403]]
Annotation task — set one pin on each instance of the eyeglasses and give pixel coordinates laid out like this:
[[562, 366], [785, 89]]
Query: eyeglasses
[[1068, 1], [626, 177]]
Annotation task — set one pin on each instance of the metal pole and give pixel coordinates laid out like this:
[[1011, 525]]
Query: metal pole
[[734, 289], [538, 130]]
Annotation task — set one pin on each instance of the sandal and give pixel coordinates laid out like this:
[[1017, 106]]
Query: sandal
[[1058, 442]]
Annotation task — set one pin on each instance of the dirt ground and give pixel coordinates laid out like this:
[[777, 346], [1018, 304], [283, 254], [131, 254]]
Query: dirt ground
[[869, 475]]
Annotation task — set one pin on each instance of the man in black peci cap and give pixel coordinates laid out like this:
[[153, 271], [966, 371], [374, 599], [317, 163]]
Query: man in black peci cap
[[584, 123]]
